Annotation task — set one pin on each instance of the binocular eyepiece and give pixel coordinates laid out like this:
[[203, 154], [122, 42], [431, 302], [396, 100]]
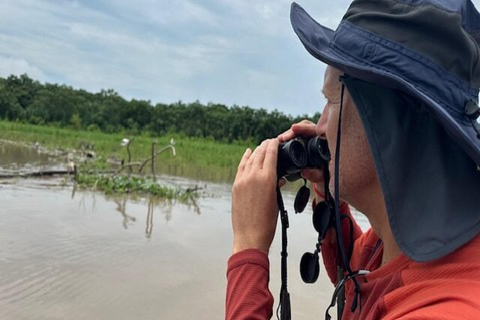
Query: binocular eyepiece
[[300, 153]]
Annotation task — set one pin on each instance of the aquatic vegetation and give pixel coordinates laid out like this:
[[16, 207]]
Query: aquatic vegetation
[[118, 183], [133, 184]]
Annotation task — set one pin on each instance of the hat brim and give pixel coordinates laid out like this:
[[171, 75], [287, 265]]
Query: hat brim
[[317, 39]]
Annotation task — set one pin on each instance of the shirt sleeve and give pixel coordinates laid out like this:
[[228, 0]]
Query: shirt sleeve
[[248, 296]]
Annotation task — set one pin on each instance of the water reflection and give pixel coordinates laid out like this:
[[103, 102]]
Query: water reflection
[[149, 227], [122, 207], [151, 203]]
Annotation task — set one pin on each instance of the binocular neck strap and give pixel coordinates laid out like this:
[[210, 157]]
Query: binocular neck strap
[[284, 305], [338, 227]]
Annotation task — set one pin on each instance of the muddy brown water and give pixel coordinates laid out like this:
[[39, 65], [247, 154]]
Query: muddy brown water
[[84, 255], [19, 159]]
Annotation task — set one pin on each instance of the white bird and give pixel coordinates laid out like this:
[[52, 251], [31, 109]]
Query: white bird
[[124, 142], [71, 167]]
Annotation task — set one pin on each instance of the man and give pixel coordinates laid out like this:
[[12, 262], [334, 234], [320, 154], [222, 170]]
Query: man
[[400, 120]]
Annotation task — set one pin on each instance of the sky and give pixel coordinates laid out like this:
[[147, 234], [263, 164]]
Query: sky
[[233, 52]]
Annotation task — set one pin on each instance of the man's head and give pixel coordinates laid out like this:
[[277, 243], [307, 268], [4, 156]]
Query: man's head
[[414, 85]]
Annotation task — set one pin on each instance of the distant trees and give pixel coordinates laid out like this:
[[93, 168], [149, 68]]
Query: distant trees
[[27, 100]]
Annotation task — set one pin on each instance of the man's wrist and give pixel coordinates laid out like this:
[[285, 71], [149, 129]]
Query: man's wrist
[[239, 246]]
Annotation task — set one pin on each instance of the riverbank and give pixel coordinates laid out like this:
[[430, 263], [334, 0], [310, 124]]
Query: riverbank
[[194, 157]]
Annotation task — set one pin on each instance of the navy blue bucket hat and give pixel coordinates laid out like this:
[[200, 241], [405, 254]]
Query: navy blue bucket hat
[[419, 55], [426, 48]]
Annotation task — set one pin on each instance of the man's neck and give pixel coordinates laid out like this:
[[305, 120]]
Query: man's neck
[[390, 248], [376, 212], [379, 221]]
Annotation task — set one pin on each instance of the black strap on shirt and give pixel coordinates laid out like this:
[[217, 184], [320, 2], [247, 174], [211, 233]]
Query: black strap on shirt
[[284, 305]]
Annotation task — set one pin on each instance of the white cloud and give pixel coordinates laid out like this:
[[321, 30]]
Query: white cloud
[[9, 66], [162, 13]]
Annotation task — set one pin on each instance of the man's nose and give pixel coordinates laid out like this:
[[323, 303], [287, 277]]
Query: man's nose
[[321, 128]]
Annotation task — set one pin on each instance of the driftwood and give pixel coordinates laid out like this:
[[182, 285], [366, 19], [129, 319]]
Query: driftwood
[[47, 173], [129, 165], [152, 158]]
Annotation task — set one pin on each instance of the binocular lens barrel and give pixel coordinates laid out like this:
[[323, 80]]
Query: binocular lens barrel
[[318, 152], [298, 154], [292, 156]]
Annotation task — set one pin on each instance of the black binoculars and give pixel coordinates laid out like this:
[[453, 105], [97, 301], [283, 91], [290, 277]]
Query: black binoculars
[[300, 153]]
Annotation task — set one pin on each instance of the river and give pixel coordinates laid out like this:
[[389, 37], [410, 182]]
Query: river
[[68, 254]]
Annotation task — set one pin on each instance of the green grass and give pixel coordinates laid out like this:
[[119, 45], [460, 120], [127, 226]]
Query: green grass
[[196, 158]]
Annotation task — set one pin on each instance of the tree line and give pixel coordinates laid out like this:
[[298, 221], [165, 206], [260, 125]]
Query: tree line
[[27, 100]]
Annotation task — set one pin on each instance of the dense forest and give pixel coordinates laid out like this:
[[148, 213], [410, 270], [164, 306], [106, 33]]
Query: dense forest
[[26, 100]]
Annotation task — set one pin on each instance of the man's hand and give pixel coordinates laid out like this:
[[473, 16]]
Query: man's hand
[[306, 129], [254, 198]]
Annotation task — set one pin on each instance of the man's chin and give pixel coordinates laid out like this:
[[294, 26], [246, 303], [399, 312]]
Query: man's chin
[[331, 166], [331, 186]]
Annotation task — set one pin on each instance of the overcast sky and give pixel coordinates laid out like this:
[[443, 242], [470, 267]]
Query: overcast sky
[[240, 52]]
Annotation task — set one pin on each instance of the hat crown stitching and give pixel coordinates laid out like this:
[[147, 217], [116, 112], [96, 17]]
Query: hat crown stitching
[[457, 98], [431, 3], [431, 31], [463, 85]]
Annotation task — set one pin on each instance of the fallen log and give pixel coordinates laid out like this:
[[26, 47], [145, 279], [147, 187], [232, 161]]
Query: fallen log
[[47, 173]]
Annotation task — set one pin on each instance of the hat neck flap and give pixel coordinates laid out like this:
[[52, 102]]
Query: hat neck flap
[[431, 187]]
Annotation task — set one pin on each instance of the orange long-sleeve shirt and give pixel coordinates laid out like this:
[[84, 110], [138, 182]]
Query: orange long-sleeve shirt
[[448, 288]]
